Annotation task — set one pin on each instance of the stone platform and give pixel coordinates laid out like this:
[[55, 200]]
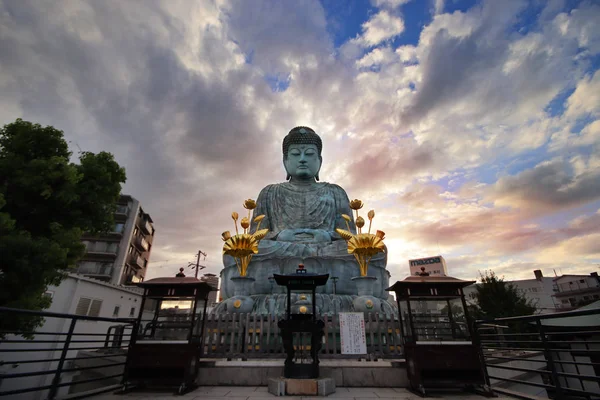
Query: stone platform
[[262, 393], [301, 387], [343, 372]]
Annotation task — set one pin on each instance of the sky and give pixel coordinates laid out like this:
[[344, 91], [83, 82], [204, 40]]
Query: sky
[[472, 128]]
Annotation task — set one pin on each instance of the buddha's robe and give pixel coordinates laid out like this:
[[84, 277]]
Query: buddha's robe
[[319, 206]]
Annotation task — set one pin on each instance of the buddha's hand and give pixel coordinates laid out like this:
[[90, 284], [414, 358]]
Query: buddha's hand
[[304, 236]]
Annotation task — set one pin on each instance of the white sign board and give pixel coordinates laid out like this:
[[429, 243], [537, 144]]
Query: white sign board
[[352, 333]]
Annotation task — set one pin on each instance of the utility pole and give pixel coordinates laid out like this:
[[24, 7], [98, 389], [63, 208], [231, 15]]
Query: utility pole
[[200, 252]]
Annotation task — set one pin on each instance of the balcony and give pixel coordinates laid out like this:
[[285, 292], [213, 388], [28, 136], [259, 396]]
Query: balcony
[[97, 270], [102, 249], [147, 227], [141, 243], [136, 261]]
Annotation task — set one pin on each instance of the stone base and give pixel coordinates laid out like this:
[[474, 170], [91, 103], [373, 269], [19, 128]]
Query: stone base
[[301, 387]]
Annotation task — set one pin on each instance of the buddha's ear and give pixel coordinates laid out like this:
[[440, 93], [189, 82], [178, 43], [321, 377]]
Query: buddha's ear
[[288, 176], [320, 165]]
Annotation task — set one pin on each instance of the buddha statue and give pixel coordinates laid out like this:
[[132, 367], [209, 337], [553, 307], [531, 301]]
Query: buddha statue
[[302, 215]]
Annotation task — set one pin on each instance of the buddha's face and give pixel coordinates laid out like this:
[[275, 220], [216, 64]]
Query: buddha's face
[[302, 161]]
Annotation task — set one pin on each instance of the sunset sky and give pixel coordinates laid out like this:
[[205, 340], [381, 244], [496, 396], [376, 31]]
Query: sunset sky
[[471, 127]]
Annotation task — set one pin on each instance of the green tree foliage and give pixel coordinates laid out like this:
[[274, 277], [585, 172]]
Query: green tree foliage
[[497, 298], [46, 203]]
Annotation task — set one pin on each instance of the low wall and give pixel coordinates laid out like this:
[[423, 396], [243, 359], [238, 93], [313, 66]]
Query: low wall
[[347, 373]]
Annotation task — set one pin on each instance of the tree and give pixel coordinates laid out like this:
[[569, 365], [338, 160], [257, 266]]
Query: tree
[[497, 298], [46, 203]]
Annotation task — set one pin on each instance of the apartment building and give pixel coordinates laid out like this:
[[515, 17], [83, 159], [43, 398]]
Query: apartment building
[[212, 280], [539, 291], [573, 291], [121, 256]]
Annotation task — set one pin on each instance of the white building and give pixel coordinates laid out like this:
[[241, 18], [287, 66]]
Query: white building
[[77, 295], [434, 266], [572, 291], [120, 257], [539, 291]]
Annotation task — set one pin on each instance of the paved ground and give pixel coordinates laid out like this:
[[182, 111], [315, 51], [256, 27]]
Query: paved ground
[[260, 393]]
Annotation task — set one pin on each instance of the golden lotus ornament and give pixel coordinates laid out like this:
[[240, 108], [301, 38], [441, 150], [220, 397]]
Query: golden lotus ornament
[[242, 246], [362, 245]]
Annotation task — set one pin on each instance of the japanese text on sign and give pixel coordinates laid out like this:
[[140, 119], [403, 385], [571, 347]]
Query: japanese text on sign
[[352, 333]]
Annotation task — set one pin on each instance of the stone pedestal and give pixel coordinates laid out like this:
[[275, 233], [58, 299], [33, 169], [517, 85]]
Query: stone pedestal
[[366, 302], [241, 302], [301, 387]]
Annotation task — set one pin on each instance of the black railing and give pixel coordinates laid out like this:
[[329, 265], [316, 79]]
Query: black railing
[[71, 355], [551, 355]]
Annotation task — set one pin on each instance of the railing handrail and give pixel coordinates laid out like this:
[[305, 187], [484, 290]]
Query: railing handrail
[[525, 318], [62, 315]]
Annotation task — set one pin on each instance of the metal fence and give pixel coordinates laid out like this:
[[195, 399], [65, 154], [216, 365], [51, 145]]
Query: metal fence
[[552, 355], [248, 336], [72, 355]]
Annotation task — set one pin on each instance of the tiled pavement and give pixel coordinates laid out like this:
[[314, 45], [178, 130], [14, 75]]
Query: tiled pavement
[[261, 393]]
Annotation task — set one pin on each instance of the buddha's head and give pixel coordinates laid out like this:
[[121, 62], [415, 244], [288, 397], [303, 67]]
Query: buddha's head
[[302, 154]]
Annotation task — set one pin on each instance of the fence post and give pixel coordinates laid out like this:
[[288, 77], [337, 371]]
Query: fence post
[[549, 358], [61, 362], [476, 339]]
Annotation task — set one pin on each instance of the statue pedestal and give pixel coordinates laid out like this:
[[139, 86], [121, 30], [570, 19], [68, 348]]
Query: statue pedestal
[[241, 302], [366, 302]]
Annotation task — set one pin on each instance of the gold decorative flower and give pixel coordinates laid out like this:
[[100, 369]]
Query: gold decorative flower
[[226, 235], [260, 234], [303, 309], [302, 297], [362, 245], [360, 222], [241, 245], [346, 235], [249, 204], [365, 244], [369, 304], [245, 223], [237, 303], [259, 218], [346, 217], [235, 216], [356, 204]]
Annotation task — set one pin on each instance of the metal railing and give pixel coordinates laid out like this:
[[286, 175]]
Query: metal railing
[[69, 354], [551, 355], [248, 336]]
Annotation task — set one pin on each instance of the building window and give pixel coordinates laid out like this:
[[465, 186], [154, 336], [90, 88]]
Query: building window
[[119, 228], [132, 312], [88, 307], [116, 311]]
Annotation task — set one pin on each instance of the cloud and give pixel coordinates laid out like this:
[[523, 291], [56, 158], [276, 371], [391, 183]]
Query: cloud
[[549, 186], [390, 4], [379, 28], [183, 95]]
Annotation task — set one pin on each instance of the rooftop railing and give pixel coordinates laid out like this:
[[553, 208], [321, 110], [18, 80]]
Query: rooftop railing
[[68, 355], [553, 356]]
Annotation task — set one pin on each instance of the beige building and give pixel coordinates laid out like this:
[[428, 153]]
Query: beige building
[[212, 280], [572, 291], [120, 257]]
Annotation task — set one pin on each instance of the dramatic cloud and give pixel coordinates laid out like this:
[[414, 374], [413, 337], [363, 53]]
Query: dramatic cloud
[[478, 140]]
